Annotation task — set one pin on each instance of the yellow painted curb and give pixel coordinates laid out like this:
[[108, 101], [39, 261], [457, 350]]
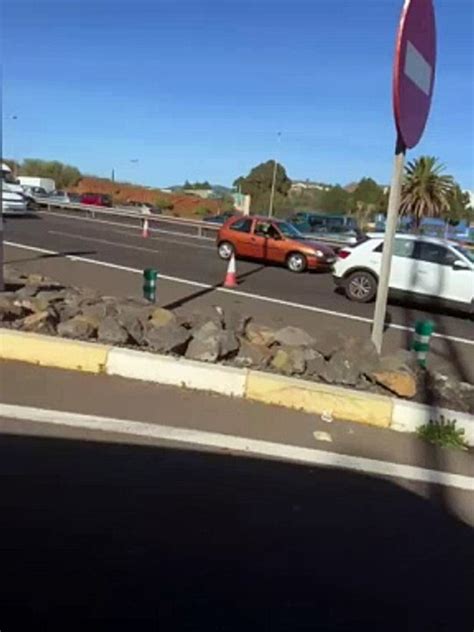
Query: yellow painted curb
[[346, 404], [54, 352]]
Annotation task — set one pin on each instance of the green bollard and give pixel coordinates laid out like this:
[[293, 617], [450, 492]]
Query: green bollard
[[421, 341], [149, 284]]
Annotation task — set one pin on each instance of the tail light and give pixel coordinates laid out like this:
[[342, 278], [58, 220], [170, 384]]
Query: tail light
[[343, 254]]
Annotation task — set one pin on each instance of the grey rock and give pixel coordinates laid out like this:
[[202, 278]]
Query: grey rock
[[229, 344], [162, 317], [9, 311], [260, 334], [27, 291], [134, 327], [168, 339], [251, 355], [97, 311], [289, 360], [205, 350], [294, 337], [341, 369], [207, 330], [315, 366], [209, 313], [447, 392], [111, 332], [329, 342], [43, 322], [236, 322], [77, 327], [52, 296]]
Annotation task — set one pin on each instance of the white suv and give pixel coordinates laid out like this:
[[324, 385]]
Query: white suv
[[422, 267]]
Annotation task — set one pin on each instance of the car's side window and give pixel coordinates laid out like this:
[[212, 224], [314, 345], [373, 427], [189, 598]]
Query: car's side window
[[401, 248], [434, 253], [404, 248], [242, 225]]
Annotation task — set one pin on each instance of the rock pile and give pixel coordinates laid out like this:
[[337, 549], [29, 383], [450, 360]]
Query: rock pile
[[36, 304]]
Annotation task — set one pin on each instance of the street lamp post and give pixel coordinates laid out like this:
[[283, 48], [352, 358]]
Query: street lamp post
[[272, 190]]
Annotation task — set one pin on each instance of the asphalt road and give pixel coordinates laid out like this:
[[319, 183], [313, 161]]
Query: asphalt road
[[196, 259], [100, 533], [104, 536]]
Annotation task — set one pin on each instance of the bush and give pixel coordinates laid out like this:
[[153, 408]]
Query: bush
[[164, 203], [443, 433], [202, 210]]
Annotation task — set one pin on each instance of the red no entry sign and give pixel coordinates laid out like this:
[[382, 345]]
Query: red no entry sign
[[414, 69]]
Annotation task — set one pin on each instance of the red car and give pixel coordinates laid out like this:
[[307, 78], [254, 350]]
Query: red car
[[272, 241], [96, 199]]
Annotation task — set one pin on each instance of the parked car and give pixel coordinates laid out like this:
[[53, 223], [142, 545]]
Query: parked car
[[221, 218], [35, 192], [273, 241], [428, 268], [58, 197], [96, 199], [334, 229]]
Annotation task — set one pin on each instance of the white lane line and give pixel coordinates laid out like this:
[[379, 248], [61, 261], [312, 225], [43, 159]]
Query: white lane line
[[257, 297], [122, 225], [122, 245], [254, 447]]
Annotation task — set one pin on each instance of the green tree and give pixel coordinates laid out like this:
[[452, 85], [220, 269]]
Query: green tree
[[426, 190], [258, 184], [65, 176], [336, 200], [369, 193], [459, 206]]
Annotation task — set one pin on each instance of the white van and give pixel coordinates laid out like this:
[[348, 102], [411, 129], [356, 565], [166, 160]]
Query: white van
[[48, 184]]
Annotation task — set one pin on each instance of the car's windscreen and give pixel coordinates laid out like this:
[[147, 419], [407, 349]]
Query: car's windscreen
[[469, 254], [288, 230]]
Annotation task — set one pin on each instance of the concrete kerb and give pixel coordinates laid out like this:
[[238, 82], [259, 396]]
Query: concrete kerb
[[410, 416], [170, 371], [340, 403], [59, 353]]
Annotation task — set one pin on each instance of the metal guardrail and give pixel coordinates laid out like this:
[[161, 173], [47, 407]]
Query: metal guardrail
[[199, 226]]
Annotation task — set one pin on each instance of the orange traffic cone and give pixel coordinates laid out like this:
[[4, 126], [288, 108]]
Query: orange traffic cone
[[230, 277], [145, 228]]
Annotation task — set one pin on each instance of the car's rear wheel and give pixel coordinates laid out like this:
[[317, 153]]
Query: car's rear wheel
[[296, 262], [361, 286], [225, 250]]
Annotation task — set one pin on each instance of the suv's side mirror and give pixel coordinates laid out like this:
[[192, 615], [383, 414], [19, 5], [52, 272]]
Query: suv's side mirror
[[459, 264]]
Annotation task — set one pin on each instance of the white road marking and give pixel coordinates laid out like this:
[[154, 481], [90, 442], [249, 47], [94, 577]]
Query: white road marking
[[236, 444], [257, 297], [121, 224], [418, 69]]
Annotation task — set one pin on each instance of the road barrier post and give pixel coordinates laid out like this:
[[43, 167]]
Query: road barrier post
[[149, 284], [421, 341]]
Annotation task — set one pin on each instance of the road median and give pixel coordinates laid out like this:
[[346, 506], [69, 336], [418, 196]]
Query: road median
[[322, 399]]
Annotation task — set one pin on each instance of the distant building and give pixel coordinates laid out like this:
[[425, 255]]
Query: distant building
[[298, 186], [241, 203], [205, 194]]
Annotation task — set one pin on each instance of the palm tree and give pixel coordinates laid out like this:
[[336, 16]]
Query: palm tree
[[426, 190]]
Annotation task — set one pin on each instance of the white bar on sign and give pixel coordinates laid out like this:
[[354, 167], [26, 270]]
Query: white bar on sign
[[418, 69]]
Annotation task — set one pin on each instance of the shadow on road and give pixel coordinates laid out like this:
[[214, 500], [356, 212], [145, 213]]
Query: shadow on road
[[116, 537], [208, 290]]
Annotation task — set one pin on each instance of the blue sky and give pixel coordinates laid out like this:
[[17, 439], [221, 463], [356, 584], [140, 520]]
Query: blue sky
[[199, 89]]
